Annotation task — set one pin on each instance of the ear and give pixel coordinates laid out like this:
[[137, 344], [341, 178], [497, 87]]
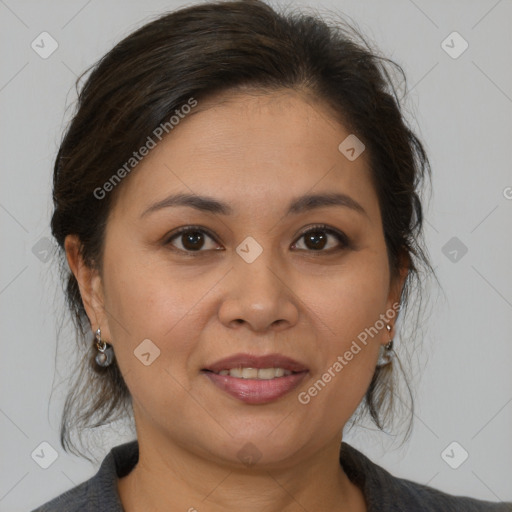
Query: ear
[[395, 289], [90, 284]]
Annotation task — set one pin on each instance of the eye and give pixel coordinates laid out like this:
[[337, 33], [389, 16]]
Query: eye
[[316, 238], [191, 239]]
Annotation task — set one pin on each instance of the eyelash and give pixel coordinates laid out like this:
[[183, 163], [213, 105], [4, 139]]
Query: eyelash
[[339, 235]]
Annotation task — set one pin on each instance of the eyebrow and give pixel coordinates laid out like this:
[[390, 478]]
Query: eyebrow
[[298, 205]]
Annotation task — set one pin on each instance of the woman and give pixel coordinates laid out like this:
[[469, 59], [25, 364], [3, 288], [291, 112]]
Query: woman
[[237, 197]]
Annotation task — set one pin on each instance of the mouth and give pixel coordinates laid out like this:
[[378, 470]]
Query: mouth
[[256, 379], [254, 373]]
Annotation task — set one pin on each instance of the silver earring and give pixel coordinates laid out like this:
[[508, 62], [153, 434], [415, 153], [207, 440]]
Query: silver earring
[[105, 354], [386, 352]]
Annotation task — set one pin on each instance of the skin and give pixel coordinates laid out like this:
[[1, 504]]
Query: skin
[[256, 152]]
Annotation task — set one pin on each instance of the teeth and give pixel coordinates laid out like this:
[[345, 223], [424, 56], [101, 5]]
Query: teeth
[[255, 373]]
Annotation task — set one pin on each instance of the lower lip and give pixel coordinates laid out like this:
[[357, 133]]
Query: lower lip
[[256, 391]]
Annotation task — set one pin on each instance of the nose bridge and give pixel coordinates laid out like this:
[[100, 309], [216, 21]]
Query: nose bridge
[[255, 269]]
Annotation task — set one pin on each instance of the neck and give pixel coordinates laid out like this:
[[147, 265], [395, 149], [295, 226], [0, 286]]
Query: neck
[[168, 477]]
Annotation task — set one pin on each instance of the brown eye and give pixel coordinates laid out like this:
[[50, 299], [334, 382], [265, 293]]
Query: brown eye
[[317, 238], [191, 239]]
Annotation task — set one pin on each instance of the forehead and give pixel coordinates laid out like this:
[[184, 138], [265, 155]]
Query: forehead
[[251, 149]]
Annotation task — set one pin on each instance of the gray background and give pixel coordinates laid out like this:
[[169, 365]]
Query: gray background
[[462, 107]]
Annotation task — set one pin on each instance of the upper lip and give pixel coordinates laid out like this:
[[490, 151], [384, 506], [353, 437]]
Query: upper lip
[[254, 361]]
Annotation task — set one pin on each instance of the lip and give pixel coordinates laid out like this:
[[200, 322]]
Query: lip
[[256, 391], [254, 361]]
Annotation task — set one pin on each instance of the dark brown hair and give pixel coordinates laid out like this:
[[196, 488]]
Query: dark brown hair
[[196, 52]]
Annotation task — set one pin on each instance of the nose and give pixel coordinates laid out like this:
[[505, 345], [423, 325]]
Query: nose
[[259, 296]]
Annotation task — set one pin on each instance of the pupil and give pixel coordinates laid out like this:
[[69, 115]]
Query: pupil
[[317, 238]]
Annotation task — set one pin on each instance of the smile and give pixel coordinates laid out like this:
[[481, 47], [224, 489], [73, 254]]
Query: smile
[[255, 373]]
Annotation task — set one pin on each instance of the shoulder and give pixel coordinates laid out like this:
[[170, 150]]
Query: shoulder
[[414, 496], [78, 498], [386, 493], [99, 493]]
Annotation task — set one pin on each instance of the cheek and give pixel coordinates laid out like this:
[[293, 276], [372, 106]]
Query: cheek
[[345, 308], [348, 300], [147, 301], [148, 296]]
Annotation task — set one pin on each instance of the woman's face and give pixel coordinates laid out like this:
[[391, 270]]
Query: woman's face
[[257, 278]]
